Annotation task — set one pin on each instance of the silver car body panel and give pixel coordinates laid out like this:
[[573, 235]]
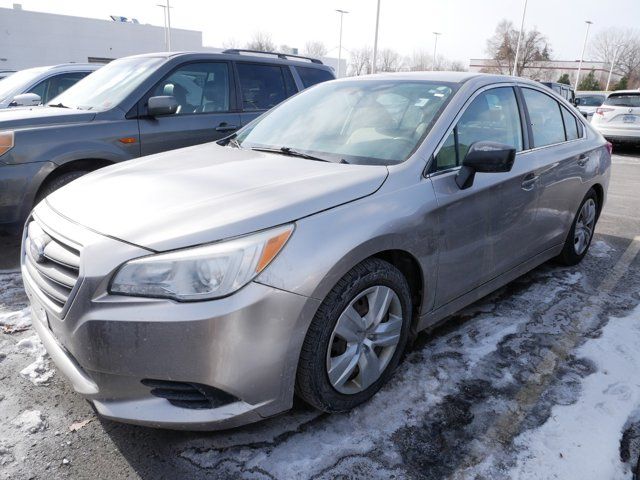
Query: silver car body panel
[[466, 243]]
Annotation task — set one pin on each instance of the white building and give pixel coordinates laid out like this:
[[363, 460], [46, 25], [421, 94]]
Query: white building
[[551, 70], [32, 39]]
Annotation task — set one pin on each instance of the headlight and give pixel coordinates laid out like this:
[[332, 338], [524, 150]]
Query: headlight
[[201, 273], [6, 142]]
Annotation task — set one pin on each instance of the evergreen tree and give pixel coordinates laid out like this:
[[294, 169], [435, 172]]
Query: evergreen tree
[[589, 82], [564, 78], [623, 84]]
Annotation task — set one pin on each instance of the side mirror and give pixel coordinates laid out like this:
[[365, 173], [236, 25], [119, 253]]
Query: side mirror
[[26, 100], [576, 102], [485, 157], [162, 105]]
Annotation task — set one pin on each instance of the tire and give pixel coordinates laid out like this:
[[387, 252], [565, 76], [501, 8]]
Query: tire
[[571, 254], [58, 182], [370, 340]]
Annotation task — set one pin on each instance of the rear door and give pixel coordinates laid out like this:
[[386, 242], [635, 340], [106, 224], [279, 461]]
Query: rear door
[[261, 87], [489, 227], [206, 112], [561, 165]]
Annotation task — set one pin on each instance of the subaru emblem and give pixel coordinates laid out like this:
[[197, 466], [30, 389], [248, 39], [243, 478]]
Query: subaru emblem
[[37, 246]]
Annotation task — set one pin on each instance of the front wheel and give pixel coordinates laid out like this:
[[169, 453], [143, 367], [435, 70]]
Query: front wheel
[[356, 338], [581, 233]]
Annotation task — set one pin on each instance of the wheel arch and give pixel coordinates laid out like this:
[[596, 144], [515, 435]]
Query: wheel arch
[[85, 164]]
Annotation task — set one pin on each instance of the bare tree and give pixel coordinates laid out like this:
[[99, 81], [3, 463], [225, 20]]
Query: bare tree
[[360, 61], [534, 49], [231, 43], [623, 44], [315, 49], [420, 61], [389, 60], [261, 41]]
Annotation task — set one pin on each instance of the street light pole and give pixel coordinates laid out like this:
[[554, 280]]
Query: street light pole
[[515, 61], [168, 26], [164, 17], [584, 47], [435, 50], [613, 62], [375, 40], [341, 12]]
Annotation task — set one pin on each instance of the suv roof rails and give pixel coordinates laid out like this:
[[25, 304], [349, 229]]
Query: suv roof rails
[[284, 56]]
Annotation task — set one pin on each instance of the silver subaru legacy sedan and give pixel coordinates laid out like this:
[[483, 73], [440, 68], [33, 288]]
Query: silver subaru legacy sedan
[[203, 288]]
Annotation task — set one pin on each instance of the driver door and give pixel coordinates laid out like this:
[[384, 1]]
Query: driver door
[[488, 228], [206, 112]]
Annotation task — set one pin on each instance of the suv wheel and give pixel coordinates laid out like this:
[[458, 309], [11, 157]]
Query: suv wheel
[[356, 338], [58, 182]]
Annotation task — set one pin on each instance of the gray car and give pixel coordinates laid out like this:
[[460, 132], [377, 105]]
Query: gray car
[[300, 255], [137, 106], [34, 86]]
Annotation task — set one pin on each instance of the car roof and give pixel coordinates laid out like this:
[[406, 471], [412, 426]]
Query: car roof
[[263, 57], [624, 92]]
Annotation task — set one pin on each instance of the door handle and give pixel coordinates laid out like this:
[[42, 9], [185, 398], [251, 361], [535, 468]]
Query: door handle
[[224, 127], [583, 159], [529, 181]]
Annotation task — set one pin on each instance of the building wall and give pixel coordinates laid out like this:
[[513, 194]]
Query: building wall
[[552, 70], [30, 39]]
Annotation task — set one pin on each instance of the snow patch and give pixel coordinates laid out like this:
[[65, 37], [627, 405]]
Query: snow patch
[[12, 321], [601, 249], [31, 421], [39, 372], [581, 441]]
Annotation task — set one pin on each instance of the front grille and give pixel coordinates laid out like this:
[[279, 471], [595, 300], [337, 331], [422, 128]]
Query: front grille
[[189, 395], [52, 264]]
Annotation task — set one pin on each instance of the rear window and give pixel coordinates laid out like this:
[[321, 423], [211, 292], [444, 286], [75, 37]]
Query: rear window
[[623, 100], [312, 76], [591, 100]]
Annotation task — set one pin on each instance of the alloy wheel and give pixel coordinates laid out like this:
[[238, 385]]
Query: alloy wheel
[[584, 226]]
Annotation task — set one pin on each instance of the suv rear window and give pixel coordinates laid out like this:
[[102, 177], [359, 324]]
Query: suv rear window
[[312, 76], [623, 100]]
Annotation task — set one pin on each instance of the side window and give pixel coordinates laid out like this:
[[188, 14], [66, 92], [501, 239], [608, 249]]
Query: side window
[[492, 116], [262, 86], [198, 87], [40, 89], [546, 120], [570, 125], [311, 76], [60, 83]]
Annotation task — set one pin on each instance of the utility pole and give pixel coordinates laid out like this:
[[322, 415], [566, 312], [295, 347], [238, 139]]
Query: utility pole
[[435, 50], [515, 61], [584, 47], [375, 41], [341, 12], [613, 62]]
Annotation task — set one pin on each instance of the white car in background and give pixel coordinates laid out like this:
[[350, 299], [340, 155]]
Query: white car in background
[[618, 119], [34, 86], [588, 102]]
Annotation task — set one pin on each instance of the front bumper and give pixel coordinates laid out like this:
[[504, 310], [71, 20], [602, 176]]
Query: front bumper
[[246, 345]]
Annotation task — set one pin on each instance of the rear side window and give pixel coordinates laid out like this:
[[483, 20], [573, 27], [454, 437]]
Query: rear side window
[[52, 87], [262, 86], [570, 125], [545, 116], [492, 116], [312, 76], [623, 100]]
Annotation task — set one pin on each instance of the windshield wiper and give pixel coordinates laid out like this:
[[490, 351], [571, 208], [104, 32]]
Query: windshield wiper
[[290, 152], [57, 105]]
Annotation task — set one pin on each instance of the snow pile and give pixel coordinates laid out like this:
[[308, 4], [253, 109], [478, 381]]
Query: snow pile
[[31, 421], [38, 372], [15, 321], [581, 441], [6, 455]]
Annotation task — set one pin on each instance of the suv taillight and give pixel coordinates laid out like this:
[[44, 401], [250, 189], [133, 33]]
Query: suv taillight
[[601, 111], [610, 147]]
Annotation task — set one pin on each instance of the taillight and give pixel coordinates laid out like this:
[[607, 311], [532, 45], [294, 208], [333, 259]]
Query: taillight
[[610, 147], [601, 111]]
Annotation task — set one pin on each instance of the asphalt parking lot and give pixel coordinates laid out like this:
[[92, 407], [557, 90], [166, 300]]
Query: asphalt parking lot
[[534, 381]]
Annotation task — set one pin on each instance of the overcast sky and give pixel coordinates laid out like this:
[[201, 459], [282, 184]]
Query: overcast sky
[[405, 25]]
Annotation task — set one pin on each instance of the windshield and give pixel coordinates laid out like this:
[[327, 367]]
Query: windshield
[[365, 122], [618, 100], [108, 86], [18, 80], [590, 100]]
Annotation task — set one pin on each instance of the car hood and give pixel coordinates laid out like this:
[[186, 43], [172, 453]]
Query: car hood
[[206, 193], [17, 117]]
